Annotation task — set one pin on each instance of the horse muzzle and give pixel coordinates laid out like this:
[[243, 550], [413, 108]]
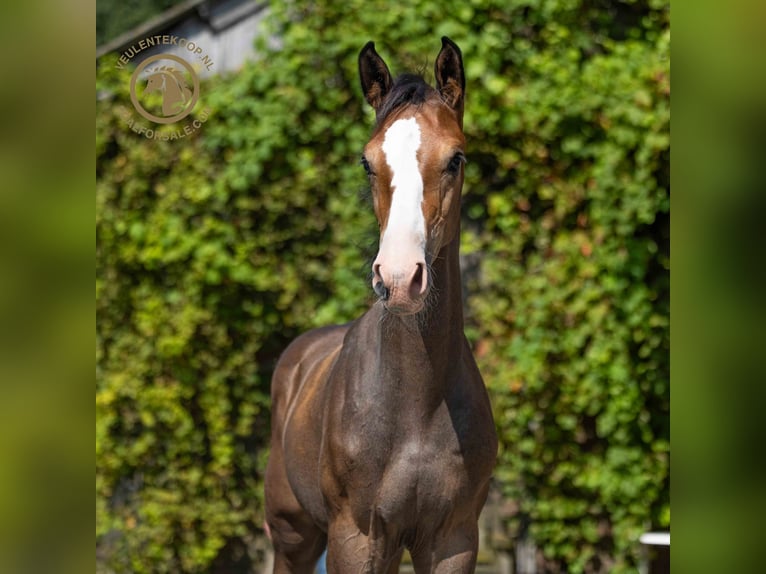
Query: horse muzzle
[[403, 292]]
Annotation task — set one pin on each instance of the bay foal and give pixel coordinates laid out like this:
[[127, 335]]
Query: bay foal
[[382, 432]]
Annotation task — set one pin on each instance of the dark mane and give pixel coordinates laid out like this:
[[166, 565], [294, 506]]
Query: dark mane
[[407, 89]]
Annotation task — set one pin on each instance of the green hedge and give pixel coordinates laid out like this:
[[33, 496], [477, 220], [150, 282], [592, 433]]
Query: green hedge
[[213, 252]]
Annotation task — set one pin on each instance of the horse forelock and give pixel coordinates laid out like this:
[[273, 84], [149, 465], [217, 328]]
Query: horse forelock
[[408, 89]]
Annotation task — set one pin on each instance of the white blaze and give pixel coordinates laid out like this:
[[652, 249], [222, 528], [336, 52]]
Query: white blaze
[[406, 228]]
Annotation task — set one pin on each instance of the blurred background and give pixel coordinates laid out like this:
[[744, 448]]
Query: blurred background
[[215, 250]]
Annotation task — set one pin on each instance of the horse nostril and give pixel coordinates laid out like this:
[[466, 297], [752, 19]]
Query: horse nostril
[[418, 277], [377, 283], [419, 280], [381, 290]]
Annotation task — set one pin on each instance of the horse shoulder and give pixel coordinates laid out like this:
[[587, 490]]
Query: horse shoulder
[[470, 416], [300, 359], [298, 394]]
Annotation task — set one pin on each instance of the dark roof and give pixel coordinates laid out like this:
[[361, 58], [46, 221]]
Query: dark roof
[[181, 11]]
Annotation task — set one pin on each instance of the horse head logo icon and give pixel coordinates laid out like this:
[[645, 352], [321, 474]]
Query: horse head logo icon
[[176, 95], [178, 99]]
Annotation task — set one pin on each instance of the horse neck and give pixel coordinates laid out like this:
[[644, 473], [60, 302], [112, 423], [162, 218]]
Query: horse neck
[[424, 352], [442, 326]]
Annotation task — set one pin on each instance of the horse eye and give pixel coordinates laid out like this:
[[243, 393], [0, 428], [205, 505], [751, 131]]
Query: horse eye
[[366, 165], [453, 167]]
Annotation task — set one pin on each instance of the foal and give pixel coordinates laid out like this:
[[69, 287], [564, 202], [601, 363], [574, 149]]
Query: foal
[[382, 432]]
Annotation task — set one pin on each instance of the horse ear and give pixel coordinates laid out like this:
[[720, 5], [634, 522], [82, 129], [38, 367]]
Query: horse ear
[[450, 78], [374, 75]]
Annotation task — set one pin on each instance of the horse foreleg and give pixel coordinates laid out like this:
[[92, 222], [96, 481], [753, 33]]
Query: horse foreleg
[[454, 553], [298, 542], [351, 551]]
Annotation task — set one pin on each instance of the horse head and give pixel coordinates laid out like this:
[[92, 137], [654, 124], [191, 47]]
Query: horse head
[[175, 93], [414, 161]]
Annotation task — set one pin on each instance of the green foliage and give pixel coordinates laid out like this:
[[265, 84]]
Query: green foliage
[[572, 307], [214, 251]]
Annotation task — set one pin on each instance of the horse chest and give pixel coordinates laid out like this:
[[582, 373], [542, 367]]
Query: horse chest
[[402, 476]]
